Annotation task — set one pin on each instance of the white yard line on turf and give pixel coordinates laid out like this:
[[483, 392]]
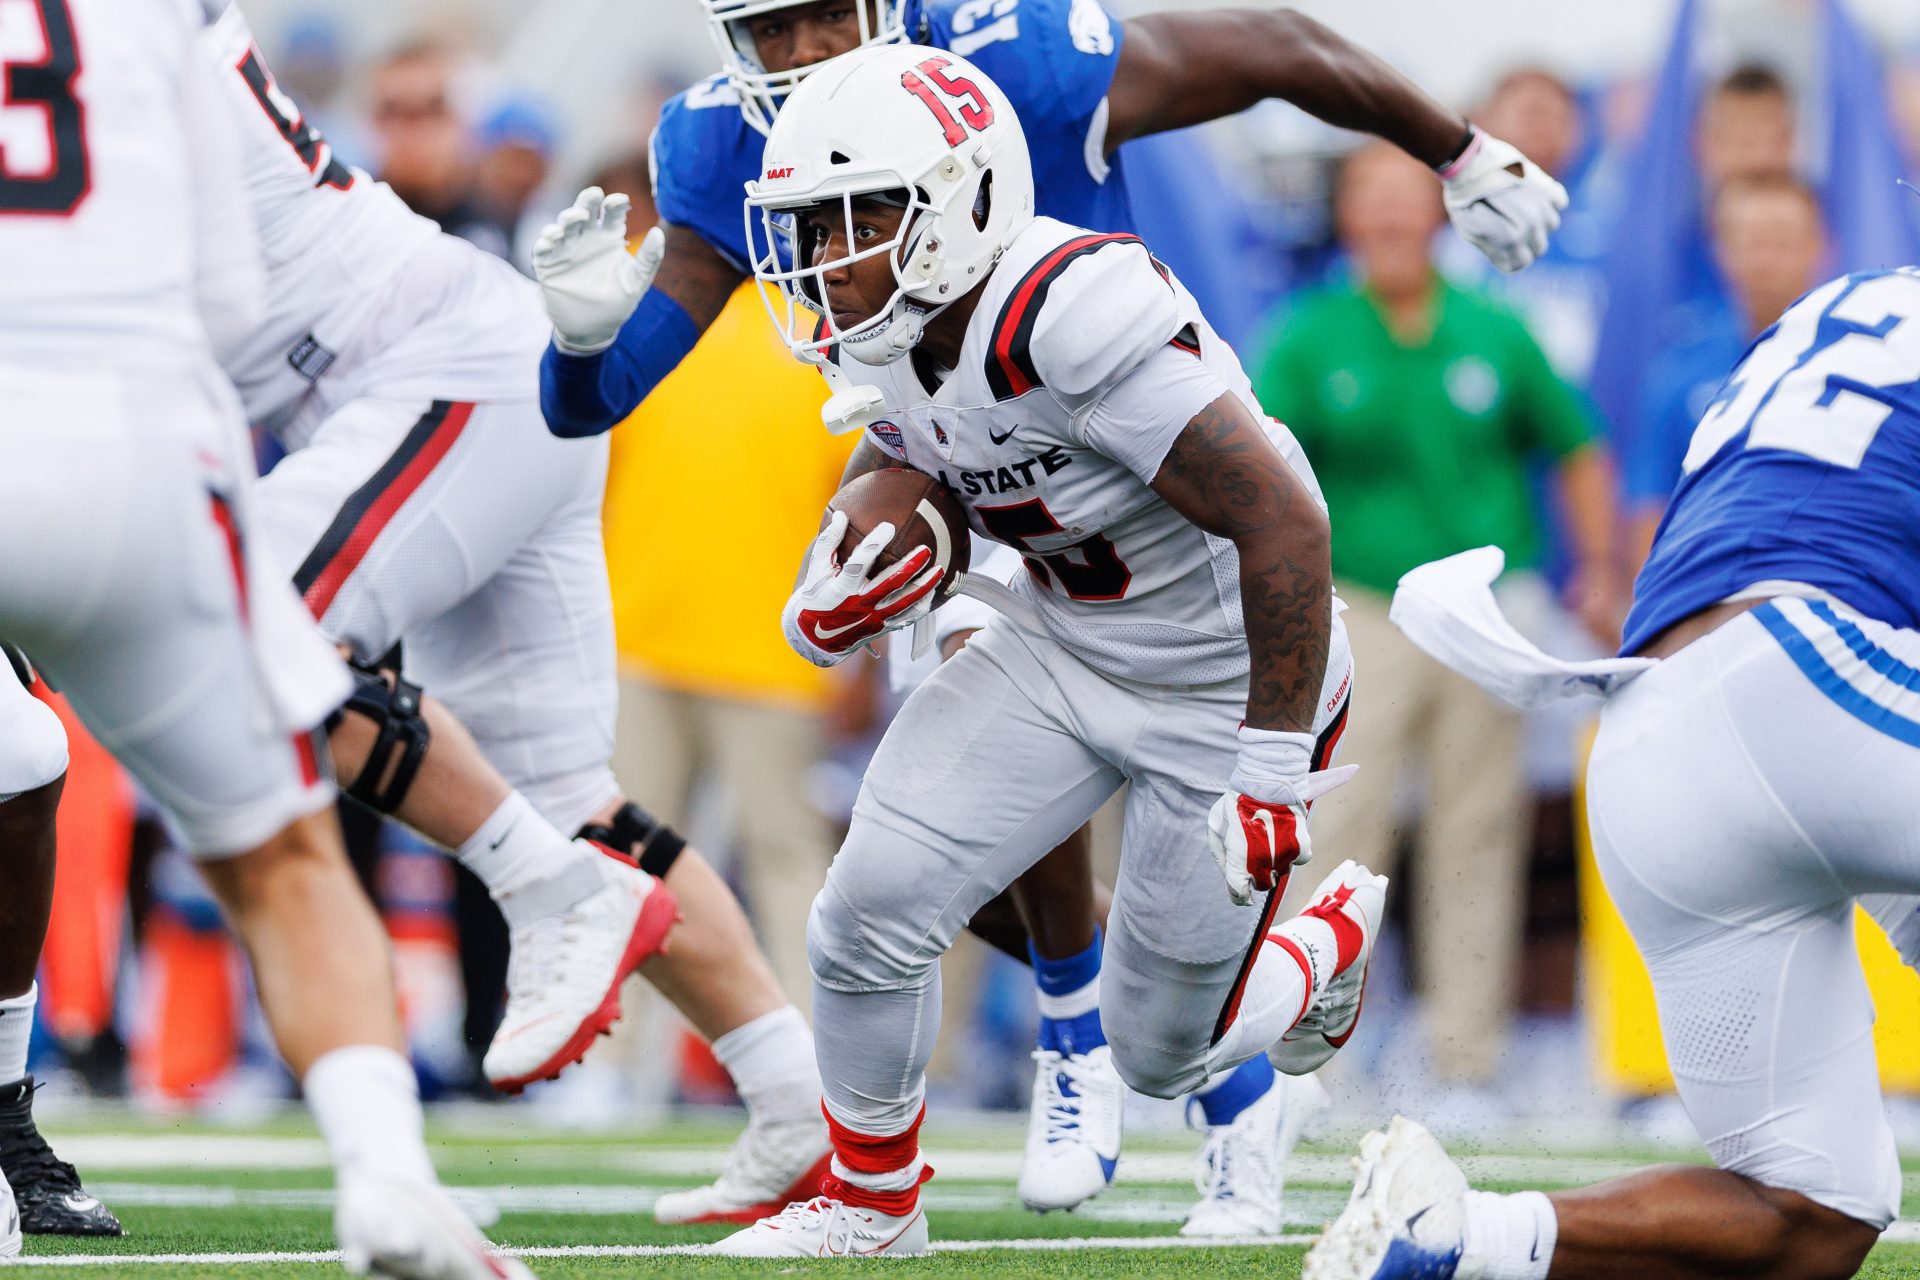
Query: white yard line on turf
[[1070, 1244], [1907, 1232], [135, 1152]]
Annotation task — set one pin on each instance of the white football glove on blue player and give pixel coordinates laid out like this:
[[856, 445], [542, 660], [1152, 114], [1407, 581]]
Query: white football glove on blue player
[[588, 281], [1257, 832], [1501, 203], [838, 608]]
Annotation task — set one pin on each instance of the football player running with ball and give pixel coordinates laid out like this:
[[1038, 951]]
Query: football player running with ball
[[1178, 636], [1754, 778], [1083, 84]]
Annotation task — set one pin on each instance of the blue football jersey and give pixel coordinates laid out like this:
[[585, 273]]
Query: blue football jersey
[[1805, 467], [1054, 58]]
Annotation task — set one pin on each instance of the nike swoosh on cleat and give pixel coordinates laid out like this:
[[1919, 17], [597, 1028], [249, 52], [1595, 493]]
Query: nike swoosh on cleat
[[829, 633], [1413, 1218], [1534, 1256]]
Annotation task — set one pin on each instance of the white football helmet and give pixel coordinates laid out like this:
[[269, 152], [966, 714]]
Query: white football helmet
[[919, 128], [761, 91]]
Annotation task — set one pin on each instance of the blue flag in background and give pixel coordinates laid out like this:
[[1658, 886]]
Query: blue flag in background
[[1872, 220], [1654, 260]]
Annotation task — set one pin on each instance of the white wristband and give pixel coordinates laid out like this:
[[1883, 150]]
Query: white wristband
[[1272, 767]]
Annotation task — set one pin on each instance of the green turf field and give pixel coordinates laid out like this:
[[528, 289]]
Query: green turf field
[[194, 1196]]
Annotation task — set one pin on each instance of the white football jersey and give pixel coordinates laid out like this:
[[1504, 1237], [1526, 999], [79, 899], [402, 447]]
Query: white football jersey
[[108, 176], [330, 235], [1083, 361]]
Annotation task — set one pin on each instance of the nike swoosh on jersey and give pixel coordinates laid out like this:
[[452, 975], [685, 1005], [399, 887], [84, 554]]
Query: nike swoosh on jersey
[[997, 438]]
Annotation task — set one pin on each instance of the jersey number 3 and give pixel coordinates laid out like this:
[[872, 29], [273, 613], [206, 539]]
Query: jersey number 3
[[43, 142], [976, 113]]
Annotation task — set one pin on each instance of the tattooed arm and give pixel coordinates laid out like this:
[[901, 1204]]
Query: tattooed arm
[[1225, 475]]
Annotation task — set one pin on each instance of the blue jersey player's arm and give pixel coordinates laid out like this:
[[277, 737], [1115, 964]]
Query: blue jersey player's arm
[[701, 156], [584, 395], [1172, 70], [1185, 68]]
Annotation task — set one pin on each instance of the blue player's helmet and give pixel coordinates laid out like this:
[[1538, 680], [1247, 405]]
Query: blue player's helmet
[[761, 91]]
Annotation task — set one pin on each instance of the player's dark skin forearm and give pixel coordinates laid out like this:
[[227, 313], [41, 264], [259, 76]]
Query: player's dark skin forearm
[[865, 459], [694, 275], [26, 868], [1180, 69], [1224, 475]]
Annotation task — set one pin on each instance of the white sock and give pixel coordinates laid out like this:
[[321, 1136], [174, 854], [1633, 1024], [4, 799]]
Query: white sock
[[1070, 1004], [772, 1064], [16, 1029], [530, 869], [905, 1179], [367, 1104], [1508, 1237], [1282, 986]]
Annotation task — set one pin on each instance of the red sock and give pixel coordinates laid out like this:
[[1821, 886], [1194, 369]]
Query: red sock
[[861, 1159]]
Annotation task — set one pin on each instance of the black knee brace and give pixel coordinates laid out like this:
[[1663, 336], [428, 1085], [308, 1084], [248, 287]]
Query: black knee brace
[[649, 842], [393, 704]]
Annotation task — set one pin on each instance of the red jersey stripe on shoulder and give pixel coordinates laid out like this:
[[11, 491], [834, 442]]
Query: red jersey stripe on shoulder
[[1010, 371]]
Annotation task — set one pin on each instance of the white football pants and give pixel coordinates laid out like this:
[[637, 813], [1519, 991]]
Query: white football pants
[[1743, 795], [470, 533], [129, 578], [999, 756]]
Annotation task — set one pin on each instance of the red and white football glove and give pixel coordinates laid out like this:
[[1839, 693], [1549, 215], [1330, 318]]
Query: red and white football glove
[[838, 608], [1257, 832]]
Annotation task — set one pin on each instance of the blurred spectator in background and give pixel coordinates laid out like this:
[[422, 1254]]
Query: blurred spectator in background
[[1746, 128], [1770, 244], [517, 141], [1420, 406], [426, 149], [1561, 294], [1903, 87], [728, 452], [311, 65]]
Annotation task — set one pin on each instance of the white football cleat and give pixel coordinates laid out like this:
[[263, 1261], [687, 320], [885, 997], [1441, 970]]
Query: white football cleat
[[1360, 896], [827, 1228], [1406, 1218], [1242, 1171], [565, 971], [1073, 1128], [9, 1222], [772, 1165], [406, 1229]]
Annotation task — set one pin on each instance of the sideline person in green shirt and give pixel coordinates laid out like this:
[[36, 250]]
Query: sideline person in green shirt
[[1423, 408]]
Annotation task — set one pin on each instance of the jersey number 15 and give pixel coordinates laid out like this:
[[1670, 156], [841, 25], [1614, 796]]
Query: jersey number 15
[[976, 113]]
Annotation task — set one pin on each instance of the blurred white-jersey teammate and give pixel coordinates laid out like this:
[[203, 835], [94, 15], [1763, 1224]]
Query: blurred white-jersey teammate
[[1756, 775], [129, 573], [425, 501], [1068, 390]]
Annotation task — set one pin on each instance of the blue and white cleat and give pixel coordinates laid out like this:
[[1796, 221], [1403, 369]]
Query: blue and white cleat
[[1073, 1129], [1242, 1174], [1406, 1218]]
